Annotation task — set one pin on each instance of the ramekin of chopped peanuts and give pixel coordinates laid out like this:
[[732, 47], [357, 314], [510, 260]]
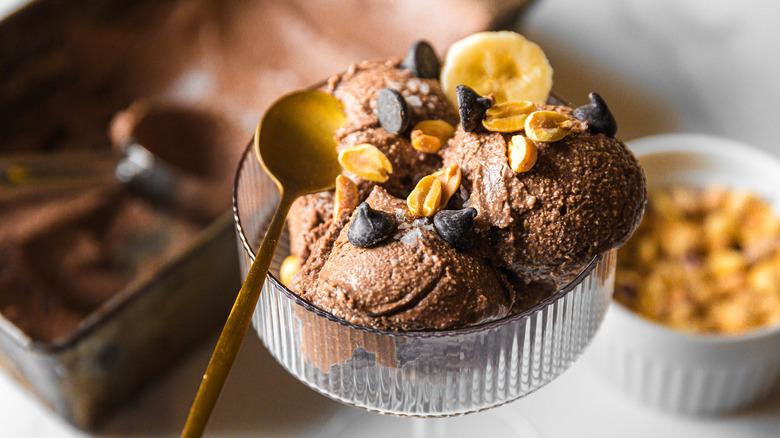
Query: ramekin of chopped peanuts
[[695, 326]]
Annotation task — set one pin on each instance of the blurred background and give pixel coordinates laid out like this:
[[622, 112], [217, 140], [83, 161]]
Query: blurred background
[[190, 79]]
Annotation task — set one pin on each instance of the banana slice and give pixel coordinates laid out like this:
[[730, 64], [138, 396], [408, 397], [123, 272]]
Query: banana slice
[[503, 63]]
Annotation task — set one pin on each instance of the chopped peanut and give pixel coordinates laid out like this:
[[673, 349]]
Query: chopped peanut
[[705, 261], [290, 266], [430, 135], [367, 162], [547, 126], [345, 197], [507, 116], [521, 153], [425, 198], [449, 178]]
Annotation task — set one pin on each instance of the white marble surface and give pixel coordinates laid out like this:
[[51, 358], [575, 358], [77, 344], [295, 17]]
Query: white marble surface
[[663, 66], [668, 65]]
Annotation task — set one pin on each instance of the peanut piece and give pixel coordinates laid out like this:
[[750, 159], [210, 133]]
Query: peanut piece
[[430, 135], [521, 153], [425, 198], [450, 181], [290, 266], [507, 116], [367, 162], [547, 126], [346, 196]]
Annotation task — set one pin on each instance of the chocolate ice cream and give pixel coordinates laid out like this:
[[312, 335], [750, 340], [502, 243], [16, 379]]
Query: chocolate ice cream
[[584, 195], [358, 88], [62, 260], [507, 205], [413, 280]]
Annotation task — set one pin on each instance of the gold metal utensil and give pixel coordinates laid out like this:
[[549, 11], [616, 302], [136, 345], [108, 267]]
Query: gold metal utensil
[[296, 145]]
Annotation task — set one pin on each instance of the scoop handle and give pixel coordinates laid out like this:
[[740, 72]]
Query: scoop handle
[[236, 326], [28, 176]]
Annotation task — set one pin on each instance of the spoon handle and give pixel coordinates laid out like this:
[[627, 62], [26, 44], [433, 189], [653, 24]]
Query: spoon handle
[[236, 326]]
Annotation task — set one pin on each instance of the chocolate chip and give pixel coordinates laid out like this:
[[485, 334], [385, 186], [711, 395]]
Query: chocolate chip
[[392, 110], [471, 107], [598, 116], [421, 60], [455, 227], [369, 226]]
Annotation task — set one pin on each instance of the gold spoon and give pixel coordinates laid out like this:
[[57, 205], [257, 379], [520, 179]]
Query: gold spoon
[[296, 145]]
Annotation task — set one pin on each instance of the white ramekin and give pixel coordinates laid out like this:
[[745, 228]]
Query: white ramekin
[[685, 373]]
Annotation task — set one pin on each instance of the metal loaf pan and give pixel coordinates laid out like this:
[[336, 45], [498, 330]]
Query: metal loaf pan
[[140, 331], [153, 320]]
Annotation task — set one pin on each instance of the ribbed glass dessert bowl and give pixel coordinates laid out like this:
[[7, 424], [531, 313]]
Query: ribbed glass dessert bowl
[[415, 373]]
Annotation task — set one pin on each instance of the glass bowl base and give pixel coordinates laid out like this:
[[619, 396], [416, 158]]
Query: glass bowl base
[[503, 422]]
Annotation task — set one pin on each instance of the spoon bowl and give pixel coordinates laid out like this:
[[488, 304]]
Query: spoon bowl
[[295, 143]]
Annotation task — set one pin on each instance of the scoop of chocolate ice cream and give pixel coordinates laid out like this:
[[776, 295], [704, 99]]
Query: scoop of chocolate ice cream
[[412, 280], [424, 99], [357, 89], [308, 220], [584, 196]]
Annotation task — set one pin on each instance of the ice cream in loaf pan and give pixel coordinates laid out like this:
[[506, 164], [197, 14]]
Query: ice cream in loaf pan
[[502, 208]]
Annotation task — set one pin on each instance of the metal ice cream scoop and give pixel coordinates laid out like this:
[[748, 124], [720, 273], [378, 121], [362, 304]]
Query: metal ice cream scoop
[[134, 162], [48, 174], [296, 144]]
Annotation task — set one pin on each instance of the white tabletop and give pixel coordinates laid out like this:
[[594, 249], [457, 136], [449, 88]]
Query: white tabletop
[[663, 66]]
